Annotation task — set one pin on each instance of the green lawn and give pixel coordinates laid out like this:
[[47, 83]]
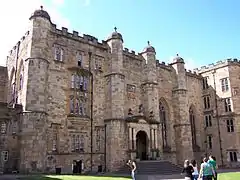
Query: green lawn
[[224, 176], [69, 177], [229, 176]]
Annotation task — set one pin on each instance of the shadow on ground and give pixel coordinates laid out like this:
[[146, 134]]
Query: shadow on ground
[[72, 177], [40, 177]]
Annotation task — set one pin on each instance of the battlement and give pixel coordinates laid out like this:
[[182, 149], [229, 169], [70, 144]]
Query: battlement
[[85, 38], [194, 74], [132, 53], [164, 65], [18, 43], [217, 65]]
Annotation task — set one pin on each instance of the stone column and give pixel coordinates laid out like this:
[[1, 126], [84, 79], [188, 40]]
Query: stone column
[[134, 138], [130, 138], [155, 139]]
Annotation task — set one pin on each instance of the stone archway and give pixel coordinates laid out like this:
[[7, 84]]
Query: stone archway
[[142, 145]]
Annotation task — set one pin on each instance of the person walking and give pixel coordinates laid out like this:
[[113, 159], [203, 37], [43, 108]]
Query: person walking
[[212, 161], [133, 168], [195, 170], [206, 170], [188, 170]]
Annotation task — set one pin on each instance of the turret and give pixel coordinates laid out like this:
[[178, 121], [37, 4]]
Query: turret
[[115, 42], [36, 94], [182, 125], [38, 62], [150, 84], [115, 101], [179, 66], [150, 69]]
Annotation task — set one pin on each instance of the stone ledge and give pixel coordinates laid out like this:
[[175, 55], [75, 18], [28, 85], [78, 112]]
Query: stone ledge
[[135, 119], [114, 119], [181, 125], [115, 73]]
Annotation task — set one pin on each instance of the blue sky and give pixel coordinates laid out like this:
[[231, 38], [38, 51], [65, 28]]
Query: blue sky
[[201, 31]]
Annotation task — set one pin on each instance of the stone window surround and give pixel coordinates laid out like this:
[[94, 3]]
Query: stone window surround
[[20, 77], [230, 125], [208, 120], [163, 119], [209, 141], [205, 82], [78, 105], [131, 88], [77, 142], [232, 155], [3, 127], [206, 101], [79, 82], [98, 62], [58, 53], [79, 58], [224, 84], [98, 139], [4, 156], [193, 125], [227, 104]]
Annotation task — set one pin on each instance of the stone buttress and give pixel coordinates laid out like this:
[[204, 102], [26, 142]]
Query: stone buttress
[[182, 123]]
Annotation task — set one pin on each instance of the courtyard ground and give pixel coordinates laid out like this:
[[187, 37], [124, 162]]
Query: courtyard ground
[[222, 176]]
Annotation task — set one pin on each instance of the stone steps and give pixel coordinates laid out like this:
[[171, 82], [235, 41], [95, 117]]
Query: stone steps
[[153, 167]]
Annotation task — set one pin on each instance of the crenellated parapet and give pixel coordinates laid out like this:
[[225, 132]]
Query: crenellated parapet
[[193, 74], [13, 50], [132, 54], [218, 64], [85, 38], [164, 65]]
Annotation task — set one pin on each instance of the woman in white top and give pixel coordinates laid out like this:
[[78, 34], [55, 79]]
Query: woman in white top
[[195, 172]]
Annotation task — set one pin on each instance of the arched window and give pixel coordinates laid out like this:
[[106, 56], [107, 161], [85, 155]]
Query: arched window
[[12, 85], [20, 80], [163, 120], [72, 105], [193, 125]]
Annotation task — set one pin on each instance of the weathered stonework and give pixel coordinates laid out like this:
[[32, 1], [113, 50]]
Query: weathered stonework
[[124, 105]]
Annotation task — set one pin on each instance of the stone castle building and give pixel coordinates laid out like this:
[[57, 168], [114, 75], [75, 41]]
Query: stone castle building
[[72, 100]]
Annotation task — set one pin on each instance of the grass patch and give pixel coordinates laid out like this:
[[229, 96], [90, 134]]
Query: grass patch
[[69, 177], [229, 176]]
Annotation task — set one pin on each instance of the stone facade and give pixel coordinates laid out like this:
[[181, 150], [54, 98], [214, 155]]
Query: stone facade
[[97, 104]]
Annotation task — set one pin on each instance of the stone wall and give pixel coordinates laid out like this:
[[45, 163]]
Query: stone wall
[[3, 84], [9, 138], [229, 140]]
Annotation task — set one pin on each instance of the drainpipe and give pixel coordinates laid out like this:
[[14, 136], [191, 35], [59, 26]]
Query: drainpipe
[[105, 148], [91, 108], [217, 118]]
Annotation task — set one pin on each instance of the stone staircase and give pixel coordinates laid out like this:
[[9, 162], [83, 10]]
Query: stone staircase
[[153, 168]]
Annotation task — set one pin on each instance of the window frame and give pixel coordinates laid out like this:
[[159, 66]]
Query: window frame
[[58, 54], [230, 125], [224, 84]]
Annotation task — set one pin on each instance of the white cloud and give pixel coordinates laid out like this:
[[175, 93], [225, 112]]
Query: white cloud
[[14, 17]]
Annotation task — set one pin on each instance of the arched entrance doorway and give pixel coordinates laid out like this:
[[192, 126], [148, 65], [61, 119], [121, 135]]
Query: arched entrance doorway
[[141, 144]]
